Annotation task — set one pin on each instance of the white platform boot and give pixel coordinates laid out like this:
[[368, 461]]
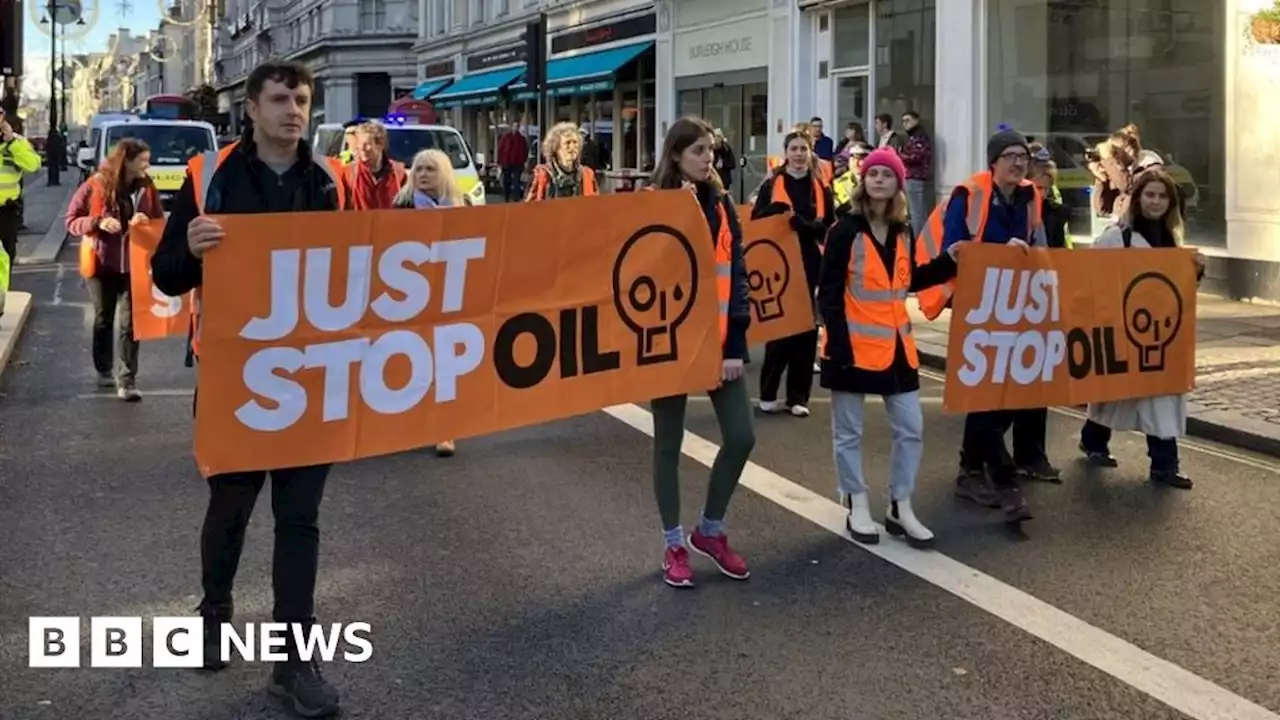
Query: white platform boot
[[900, 521], [860, 525]]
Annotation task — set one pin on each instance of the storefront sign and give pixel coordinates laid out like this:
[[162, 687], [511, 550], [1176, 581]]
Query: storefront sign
[[494, 58], [443, 68], [725, 48], [636, 27]]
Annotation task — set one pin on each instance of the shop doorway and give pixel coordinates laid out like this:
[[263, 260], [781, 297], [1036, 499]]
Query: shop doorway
[[853, 103], [741, 113]]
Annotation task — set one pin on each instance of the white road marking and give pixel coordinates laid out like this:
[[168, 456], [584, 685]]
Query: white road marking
[[1170, 684], [1183, 442], [108, 394], [57, 284]]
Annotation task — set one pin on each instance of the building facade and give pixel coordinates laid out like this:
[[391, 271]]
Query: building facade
[[1202, 94], [360, 52], [601, 72]]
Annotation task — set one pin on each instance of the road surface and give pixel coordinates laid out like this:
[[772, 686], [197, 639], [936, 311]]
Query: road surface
[[520, 578]]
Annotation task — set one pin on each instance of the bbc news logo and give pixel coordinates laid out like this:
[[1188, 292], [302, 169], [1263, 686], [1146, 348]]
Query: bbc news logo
[[178, 642]]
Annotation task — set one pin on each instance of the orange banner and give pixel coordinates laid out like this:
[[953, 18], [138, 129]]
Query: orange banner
[[1068, 327], [780, 301], [333, 336], [155, 315]]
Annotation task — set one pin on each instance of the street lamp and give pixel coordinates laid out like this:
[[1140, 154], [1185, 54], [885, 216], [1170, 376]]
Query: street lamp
[[61, 13]]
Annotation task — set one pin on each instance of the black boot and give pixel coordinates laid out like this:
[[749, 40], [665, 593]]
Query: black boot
[[214, 616], [301, 683]]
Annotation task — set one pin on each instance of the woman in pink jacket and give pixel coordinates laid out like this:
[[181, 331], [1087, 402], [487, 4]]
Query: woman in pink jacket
[[117, 197]]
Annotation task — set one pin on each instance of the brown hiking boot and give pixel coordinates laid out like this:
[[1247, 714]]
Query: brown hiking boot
[[973, 485]]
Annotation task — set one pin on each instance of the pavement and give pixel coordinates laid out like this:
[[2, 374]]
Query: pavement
[[520, 578], [44, 210], [1237, 395], [40, 241]]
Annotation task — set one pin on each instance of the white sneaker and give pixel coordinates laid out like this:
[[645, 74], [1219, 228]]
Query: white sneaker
[[799, 411], [817, 367], [860, 525], [771, 406], [900, 521]]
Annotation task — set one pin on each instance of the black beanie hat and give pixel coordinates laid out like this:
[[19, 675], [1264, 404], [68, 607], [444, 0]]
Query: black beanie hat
[[1002, 141]]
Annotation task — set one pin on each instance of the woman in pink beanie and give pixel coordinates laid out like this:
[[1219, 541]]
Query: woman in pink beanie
[[868, 269]]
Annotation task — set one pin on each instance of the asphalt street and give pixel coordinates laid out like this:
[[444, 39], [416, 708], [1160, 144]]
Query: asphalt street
[[520, 578]]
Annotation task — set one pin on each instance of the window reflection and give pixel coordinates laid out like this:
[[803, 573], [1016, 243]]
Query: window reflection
[[1071, 75]]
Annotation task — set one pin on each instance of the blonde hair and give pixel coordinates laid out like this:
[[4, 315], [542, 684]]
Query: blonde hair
[[448, 188], [860, 204], [1173, 216], [555, 136], [376, 132]]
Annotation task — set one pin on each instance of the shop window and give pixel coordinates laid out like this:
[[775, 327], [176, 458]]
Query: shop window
[[904, 75], [852, 36], [690, 103], [1070, 75]]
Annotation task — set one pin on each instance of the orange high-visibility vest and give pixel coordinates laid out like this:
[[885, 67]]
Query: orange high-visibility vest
[[929, 244], [542, 178], [875, 305], [780, 195], [826, 172], [398, 170], [200, 171], [724, 264]]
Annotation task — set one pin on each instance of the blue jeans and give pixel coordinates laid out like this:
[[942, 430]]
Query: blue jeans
[[906, 425], [1163, 452], [915, 205]]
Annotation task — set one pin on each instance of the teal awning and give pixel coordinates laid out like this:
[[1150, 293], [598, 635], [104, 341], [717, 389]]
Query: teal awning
[[585, 73], [426, 88], [477, 89]]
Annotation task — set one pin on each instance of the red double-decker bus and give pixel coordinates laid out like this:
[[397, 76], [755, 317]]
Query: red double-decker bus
[[169, 107]]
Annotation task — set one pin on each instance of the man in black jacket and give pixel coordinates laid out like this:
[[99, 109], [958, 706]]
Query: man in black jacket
[[270, 170]]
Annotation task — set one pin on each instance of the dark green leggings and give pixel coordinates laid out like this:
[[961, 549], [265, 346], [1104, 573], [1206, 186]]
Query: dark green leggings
[[733, 411]]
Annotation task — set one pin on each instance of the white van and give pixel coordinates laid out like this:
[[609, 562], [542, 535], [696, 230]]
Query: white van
[[404, 141], [172, 143]]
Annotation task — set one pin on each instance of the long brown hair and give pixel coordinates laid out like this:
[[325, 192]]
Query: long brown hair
[[111, 176], [1172, 219], [684, 132]]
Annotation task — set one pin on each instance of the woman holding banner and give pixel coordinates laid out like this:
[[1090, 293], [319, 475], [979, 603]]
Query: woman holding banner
[[1153, 219], [794, 187], [687, 153], [867, 272], [562, 173], [114, 199], [431, 186]]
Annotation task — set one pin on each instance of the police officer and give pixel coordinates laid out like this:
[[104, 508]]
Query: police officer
[[348, 152], [16, 157]]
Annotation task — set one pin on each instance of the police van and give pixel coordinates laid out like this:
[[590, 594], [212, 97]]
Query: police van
[[172, 143], [405, 139]]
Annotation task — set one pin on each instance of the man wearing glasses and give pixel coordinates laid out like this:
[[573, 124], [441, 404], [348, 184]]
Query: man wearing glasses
[[996, 205]]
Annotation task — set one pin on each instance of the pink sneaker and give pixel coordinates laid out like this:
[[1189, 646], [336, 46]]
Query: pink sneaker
[[675, 568], [717, 548]]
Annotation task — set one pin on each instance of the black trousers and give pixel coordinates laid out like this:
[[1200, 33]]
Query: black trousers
[[112, 321], [10, 220], [295, 502], [794, 356], [983, 446]]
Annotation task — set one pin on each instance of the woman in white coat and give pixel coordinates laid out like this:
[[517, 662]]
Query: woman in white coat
[[1153, 220], [432, 185]]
